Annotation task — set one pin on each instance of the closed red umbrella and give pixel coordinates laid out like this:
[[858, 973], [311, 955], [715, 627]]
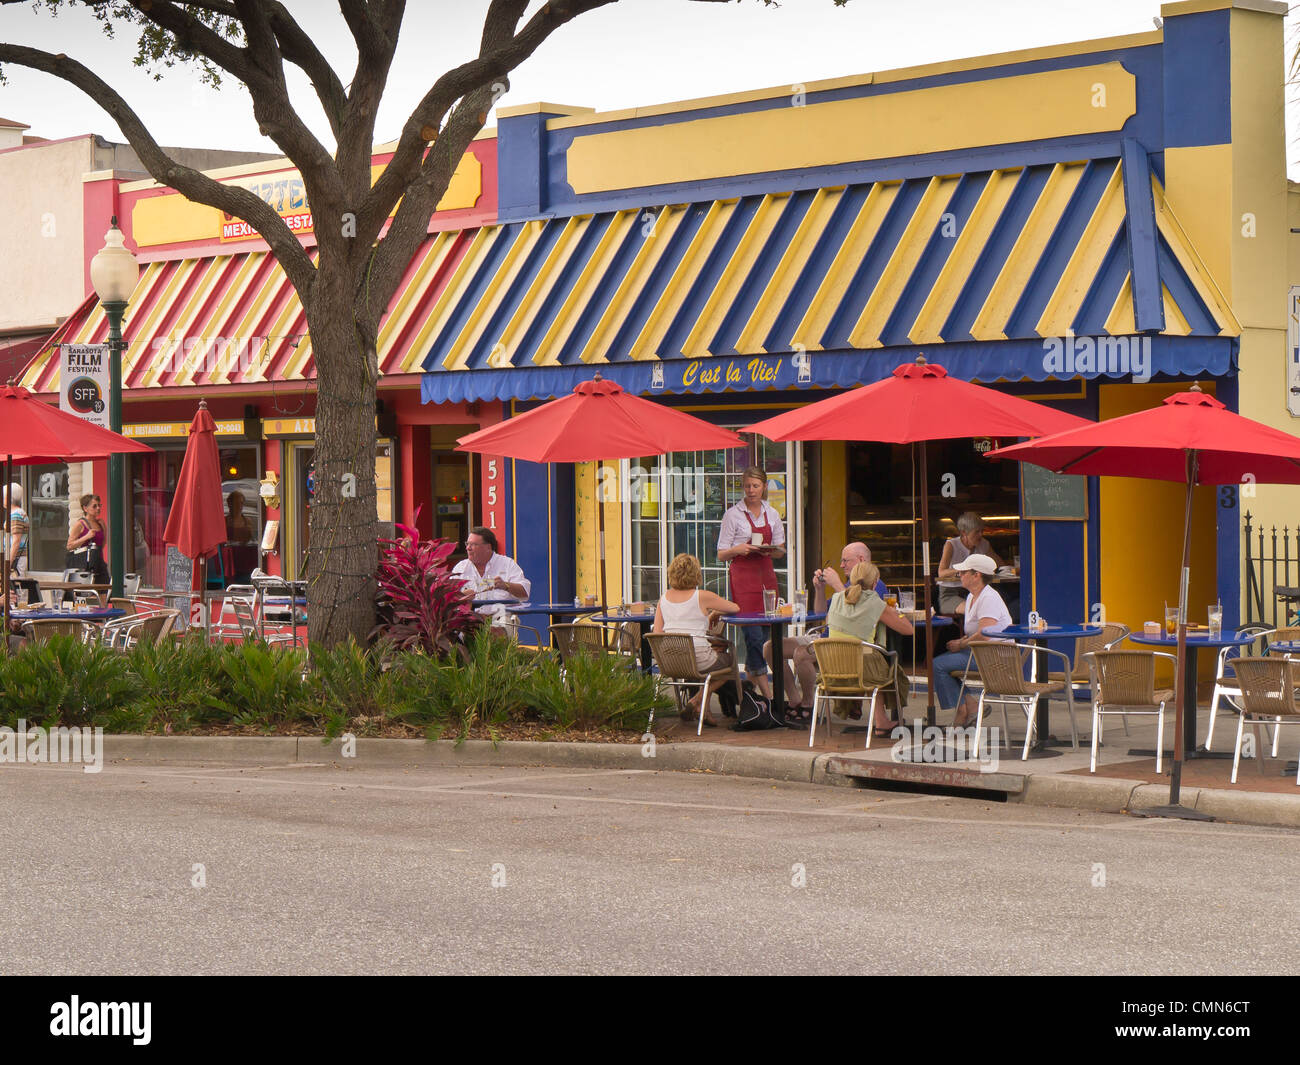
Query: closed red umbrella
[[1190, 437], [35, 432], [598, 420], [197, 521], [916, 403]]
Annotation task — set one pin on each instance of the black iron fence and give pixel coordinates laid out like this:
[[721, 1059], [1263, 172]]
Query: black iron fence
[[1272, 562]]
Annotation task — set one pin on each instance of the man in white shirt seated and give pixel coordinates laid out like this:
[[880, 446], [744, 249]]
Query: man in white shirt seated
[[984, 610], [489, 575]]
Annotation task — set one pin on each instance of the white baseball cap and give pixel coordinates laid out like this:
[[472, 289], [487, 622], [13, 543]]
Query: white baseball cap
[[981, 563]]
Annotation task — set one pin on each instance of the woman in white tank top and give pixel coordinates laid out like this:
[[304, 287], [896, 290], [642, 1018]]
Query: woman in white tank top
[[686, 609]]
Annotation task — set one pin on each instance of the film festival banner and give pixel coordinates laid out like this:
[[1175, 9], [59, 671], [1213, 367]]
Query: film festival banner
[[84, 381]]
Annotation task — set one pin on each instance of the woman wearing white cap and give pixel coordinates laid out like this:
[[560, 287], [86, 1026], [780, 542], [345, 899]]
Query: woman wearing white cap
[[984, 610]]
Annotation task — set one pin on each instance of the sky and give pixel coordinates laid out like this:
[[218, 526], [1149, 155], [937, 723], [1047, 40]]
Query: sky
[[636, 52]]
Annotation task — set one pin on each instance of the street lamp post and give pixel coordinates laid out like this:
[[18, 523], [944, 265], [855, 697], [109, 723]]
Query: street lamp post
[[113, 273]]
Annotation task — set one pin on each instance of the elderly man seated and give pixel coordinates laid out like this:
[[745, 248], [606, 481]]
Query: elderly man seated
[[490, 575], [798, 649]]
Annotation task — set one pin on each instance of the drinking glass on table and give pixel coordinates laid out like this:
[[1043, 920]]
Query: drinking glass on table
[[1216, 621], [907, 601], [891, 598], [1171, 620], [800, 597], [769, 601]]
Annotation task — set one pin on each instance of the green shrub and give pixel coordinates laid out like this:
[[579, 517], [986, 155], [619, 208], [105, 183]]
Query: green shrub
[[349, 687], [594, 691], [417, 685], [265, 686], [65, 681], [182, 684]]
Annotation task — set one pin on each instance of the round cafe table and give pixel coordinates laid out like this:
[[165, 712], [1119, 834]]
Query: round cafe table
[[1196, 641], [1285, 647], [644, 622], [1039, 638], [551, 610], [776, 625]]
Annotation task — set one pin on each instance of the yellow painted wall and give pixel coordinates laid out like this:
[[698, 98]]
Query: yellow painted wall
[[1142, 531], [834, 502], [588, 573]]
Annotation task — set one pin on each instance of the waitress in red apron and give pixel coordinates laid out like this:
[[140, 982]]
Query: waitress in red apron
[[751, 568]]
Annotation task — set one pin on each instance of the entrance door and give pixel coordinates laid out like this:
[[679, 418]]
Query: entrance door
[[453, 497]]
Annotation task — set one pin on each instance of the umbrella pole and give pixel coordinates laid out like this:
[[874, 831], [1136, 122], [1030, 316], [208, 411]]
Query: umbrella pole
[[1181, 688], [600, 537], [925, 586]]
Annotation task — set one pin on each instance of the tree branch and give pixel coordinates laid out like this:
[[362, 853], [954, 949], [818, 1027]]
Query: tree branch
[[191, 183]]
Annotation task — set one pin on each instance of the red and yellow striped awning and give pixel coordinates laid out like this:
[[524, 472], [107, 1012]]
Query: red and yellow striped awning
[[236, 320]]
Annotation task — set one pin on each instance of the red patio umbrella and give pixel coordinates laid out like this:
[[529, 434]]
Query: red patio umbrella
[[597, 421], [916, 403], [197, 521], [1190, 437], [35, 432]]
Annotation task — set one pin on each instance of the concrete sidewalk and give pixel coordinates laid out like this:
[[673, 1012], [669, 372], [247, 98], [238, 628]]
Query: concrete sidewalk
[[1124, 781]]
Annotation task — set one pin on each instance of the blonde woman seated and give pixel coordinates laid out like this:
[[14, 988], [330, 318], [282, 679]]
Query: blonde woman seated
[[686, 609], [857, 612]]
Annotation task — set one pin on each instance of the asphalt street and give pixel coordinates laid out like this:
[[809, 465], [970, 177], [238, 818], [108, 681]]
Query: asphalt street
[[334, 869]]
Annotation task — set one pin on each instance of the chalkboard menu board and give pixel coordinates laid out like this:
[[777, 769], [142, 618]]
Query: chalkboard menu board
[[1048, 496], [179, 578]]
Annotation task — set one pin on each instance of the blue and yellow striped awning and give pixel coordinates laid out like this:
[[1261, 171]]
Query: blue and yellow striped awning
[[1091, 248]]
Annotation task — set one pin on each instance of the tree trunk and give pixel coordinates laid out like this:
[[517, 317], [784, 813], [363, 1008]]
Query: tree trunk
[[342, 552]]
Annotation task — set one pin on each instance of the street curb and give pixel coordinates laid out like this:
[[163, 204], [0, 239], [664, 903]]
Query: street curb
[[1101, 794]]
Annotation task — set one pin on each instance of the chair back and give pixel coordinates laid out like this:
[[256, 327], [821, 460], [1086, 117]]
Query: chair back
[[1111, 632], [840, 664], [39, 630], [1286, 635], [1268, 686], [576, 638], [244, 616], [674, 654], [1001, 668], [155, 628], [121, 602], [1125, 678]]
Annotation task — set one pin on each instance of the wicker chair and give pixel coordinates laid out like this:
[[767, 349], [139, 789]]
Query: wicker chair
[[1112, 634], [674, 654], [1002, 668], [585, 637], [1268, 694], [38, 630], [1124, 682], [149, 629], [121, 602], [1226, 686], [852, 670]]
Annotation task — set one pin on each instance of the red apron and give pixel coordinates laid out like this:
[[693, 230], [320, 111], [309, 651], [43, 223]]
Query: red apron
[[750, 574]]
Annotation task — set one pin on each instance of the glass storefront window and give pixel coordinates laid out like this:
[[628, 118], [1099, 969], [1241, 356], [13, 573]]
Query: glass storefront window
[[675, 504], [45, 495]]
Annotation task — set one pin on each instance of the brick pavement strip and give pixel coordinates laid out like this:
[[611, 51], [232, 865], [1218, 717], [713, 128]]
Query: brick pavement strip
[[1103, 794]]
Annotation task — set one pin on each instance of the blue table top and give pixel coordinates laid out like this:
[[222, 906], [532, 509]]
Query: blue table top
[[1286, 647], [106, 614], [1052, 632], [641, 619], [542, 608], [764, 619], [1229, 638]]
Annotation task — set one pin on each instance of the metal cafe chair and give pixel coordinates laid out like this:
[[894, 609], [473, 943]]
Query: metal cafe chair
[[1226, 686], [39, 630], [592, 638], [1268, 694], [135, 629], [1124, 682], [850, 670], [1002, 669], [1112, 634], [674, 654]]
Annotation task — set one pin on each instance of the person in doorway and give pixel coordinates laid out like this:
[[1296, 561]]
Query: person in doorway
[[750, 537], [984, 609], [797, 650], [490, 575], [18, 529], [86, 540], [968, 541], [238, 529]]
